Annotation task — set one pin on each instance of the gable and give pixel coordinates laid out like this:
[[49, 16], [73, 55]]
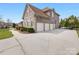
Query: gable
[[46, 13], [28, 12]]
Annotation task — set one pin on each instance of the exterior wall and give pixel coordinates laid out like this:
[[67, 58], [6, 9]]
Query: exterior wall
[[47, 24], [20, 25], [54, 18], [56, 21], [29, 19]]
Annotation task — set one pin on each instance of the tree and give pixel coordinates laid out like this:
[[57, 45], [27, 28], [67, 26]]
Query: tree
[[71, 21], [14, 25], [62, 23]]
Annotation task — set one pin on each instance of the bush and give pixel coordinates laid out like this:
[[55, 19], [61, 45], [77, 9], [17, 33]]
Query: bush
[[30, 30], [77, 54], [24, 29], [18, 28], [21, 28], [14, 25]]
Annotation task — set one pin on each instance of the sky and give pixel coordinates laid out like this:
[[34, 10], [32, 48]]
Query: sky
[[14, 11]]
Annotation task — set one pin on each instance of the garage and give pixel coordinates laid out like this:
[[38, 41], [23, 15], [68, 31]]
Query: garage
[[51, 26], [40, 27], [46, 27]]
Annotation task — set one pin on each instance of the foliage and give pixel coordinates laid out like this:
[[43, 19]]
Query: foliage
[[30, 30], [23, 29], [14, 25], [62, 23], [77, 53], [71, 21], [17, 28]]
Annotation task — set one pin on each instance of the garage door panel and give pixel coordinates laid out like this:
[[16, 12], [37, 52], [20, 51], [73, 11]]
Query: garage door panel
[[46, 27], [52, 26], [40, 27]]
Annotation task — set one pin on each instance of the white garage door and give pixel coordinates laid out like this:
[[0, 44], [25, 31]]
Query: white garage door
[[52, 26], [46, 27], [40, 27]]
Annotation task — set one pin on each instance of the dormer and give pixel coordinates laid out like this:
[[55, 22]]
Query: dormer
[[50, 12]]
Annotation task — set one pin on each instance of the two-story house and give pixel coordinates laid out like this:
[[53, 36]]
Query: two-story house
[[41, 20]]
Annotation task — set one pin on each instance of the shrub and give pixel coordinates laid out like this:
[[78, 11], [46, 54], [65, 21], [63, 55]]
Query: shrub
[[24, 29], [30, 30], [18, 28], [21, 28], [14, 25], [77, 54]]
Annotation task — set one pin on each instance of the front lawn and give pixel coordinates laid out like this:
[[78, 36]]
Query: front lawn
[[5, 33]]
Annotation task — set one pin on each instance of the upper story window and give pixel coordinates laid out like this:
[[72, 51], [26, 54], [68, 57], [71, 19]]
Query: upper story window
[[48, 13]]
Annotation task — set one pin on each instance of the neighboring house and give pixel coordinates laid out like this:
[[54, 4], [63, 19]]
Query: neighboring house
[[20, 24], [3, 25], [41, 20]]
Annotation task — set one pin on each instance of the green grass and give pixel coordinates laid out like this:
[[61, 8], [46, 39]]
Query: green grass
[[5, 33]]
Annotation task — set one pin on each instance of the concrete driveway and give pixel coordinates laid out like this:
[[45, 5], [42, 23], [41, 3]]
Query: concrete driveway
[[57, 42]]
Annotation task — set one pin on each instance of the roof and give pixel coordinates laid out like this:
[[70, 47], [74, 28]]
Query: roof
[[38, 11], [46, 9]]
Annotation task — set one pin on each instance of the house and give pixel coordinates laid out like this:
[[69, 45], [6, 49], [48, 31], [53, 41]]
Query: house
[[20, 24], [41, 20], [3, 25]]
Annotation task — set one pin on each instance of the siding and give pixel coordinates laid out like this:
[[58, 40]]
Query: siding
[[29, 18]]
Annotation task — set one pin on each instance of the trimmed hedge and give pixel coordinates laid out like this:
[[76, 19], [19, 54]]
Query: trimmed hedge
[[29, 30], [23, 29], [18, 28]]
